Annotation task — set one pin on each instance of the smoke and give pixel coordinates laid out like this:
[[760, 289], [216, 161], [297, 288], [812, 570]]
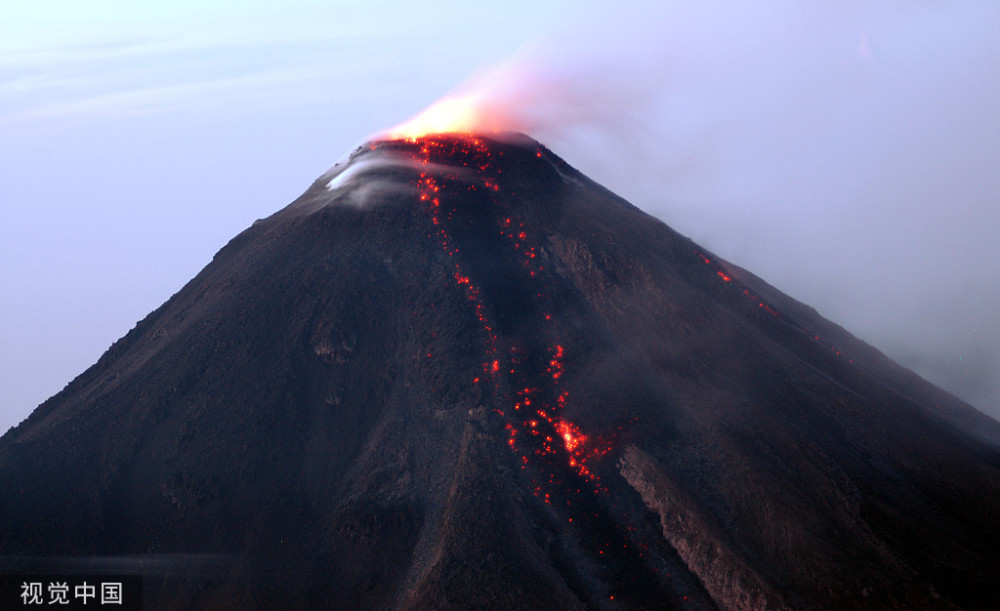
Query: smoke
[[551, 88], [847, 152]]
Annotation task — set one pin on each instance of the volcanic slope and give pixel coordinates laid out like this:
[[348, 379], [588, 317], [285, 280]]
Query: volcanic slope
[[456, 373]]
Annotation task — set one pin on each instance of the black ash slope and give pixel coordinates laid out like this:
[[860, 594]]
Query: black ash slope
[[457, 373]]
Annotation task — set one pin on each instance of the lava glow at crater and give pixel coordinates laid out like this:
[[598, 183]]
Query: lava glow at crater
[[490, 102], [452, 114]]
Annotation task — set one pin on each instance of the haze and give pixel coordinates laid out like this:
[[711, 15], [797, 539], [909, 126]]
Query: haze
[[848, 153]]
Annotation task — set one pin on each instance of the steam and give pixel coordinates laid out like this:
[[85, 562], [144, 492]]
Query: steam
[[846, 152], [541, 90], [364, 178]]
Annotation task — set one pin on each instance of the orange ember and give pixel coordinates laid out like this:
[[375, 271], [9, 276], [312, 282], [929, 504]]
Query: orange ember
[[571, 435], [534, 426]]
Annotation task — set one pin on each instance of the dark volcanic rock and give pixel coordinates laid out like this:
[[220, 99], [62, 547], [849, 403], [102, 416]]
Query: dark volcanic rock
[[465, 376]]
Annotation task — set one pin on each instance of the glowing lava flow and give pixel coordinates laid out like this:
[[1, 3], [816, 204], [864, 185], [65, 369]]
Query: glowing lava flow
[[760, 301], [491, 247], [536, 428]]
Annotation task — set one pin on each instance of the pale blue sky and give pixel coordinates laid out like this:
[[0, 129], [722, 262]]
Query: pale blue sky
[[848, 152]]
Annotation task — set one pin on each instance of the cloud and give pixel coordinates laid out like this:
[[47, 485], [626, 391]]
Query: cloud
[[165, 76]]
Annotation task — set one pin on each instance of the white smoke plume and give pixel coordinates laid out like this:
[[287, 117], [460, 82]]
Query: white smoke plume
[[849, 153]]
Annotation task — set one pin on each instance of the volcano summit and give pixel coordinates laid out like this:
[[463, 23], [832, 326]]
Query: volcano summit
[[456, 373]]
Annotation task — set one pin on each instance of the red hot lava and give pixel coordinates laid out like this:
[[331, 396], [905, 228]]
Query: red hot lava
[[537, 429]]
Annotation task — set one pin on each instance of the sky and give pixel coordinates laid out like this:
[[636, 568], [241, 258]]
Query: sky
[[847, 152]]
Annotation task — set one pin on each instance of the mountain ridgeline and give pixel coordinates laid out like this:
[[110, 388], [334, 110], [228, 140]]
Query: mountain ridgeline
[[456, 373]]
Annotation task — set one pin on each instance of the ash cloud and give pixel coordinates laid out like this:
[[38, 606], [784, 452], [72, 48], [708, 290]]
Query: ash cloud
[[846, 152]]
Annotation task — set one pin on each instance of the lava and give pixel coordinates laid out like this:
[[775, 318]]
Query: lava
[[536, 427], [571, 435], [761, 303], [527, 371]]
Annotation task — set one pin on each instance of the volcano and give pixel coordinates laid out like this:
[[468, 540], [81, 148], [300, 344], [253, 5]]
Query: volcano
[[457, 373]]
